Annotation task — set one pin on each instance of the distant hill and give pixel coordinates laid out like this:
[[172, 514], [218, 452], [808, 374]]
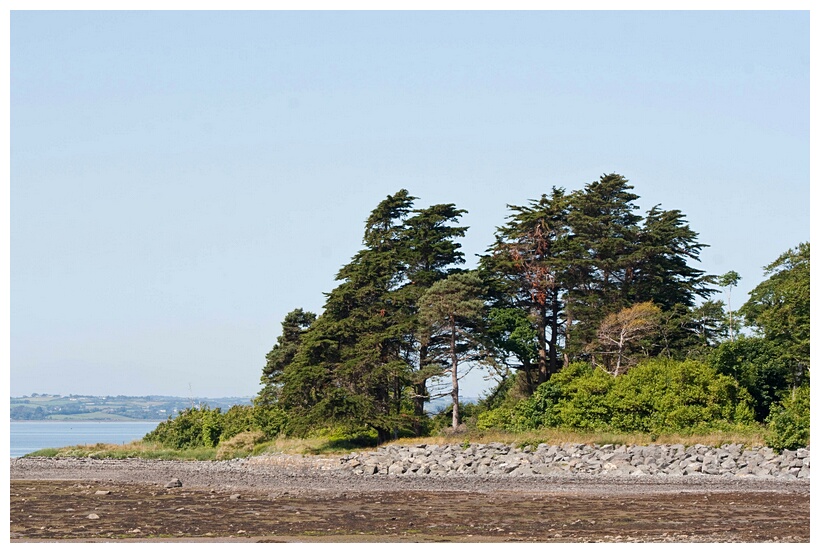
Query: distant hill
[[78, 407], [114, 408], [442, 403]]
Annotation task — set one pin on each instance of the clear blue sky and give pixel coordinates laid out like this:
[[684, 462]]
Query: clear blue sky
[[182, 180]]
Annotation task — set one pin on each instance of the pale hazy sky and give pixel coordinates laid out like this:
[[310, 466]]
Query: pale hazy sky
[[182, 180]]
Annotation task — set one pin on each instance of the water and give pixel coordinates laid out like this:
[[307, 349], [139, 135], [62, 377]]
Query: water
[[29, 436]]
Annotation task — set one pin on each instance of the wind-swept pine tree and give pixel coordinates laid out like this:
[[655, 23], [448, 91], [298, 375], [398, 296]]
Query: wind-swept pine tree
[[431, 254], [359, 358], [452, 313], [526, 268], [294, 326]]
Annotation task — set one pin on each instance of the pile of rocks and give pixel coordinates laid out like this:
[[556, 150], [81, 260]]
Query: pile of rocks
[[496, 459]]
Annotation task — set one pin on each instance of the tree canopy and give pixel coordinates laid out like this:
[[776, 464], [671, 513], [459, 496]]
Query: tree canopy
[[580, 279]]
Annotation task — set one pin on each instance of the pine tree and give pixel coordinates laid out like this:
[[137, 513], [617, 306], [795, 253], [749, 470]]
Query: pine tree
[[294, 326], [452, 312], [526, 267], [605, 230], [363, 353]]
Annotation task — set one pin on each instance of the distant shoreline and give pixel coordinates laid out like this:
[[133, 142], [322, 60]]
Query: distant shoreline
[[51, 407], [51, 421]]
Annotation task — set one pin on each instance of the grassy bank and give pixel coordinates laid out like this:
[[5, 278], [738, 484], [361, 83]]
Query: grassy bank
[[338, 446]]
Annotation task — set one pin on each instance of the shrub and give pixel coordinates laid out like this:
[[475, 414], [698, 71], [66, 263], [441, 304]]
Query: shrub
[[789, 421], [758, 365], [194, 427], [498, 418], [672, 396], [657, 396], [240, 445], [238, 419]]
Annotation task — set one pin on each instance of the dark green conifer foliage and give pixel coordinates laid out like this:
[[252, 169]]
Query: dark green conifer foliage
[[527, 270], [661, 272], [605, 229], [295, 324], [452, 313], [567, 261], [431, 253], [359, 358]]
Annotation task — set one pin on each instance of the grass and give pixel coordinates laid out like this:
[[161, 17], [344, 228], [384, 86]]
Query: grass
[[335, 445], [137, 449]]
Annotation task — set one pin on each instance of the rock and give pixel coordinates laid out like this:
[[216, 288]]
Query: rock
[[93, 516], [175, 483], [236, 496], [496, 459], [102, 492]]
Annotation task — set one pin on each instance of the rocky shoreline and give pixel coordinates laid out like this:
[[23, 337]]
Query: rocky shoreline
[[496, 459], [423, 493], [421, 463]]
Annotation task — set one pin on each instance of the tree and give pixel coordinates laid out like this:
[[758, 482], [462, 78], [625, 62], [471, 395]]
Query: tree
[[661, 272], [729, 280], [526, 268], [621, 259], [620, 333], [357, 362], [605, 229], [350, 368], [430, 253], [452, 311], [568, 261], [295, 324], [779, 307]]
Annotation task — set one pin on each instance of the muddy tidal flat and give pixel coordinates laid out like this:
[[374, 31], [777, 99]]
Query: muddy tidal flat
[[295, 499]]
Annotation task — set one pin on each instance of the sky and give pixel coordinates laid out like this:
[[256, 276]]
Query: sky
[[181, 180]]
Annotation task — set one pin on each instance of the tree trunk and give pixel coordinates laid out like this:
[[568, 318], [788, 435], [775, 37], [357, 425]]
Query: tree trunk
[[541, 326], [567, 329], [454, 369], [420, 392], [553, 343], [383, 435]]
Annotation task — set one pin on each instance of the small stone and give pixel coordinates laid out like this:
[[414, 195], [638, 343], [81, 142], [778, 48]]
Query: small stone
[[102, 492], [236, 496], [93, 516], [175, 483]]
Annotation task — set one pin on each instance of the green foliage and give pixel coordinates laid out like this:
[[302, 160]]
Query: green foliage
[[211, 427], [451, 315], [197, 427], [571, 278], [670, 396], [759, 366], [789, 421], [657, 396], [779, 307], [296, 323], [442, 421], [239, 419], [180, 432], [47, 452]]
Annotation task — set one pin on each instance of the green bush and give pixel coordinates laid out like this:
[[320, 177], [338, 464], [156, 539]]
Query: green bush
[[657, 396], [238, 419], [498, 418], [191, 428], [758, 365], [789, 421], [675, 396]]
